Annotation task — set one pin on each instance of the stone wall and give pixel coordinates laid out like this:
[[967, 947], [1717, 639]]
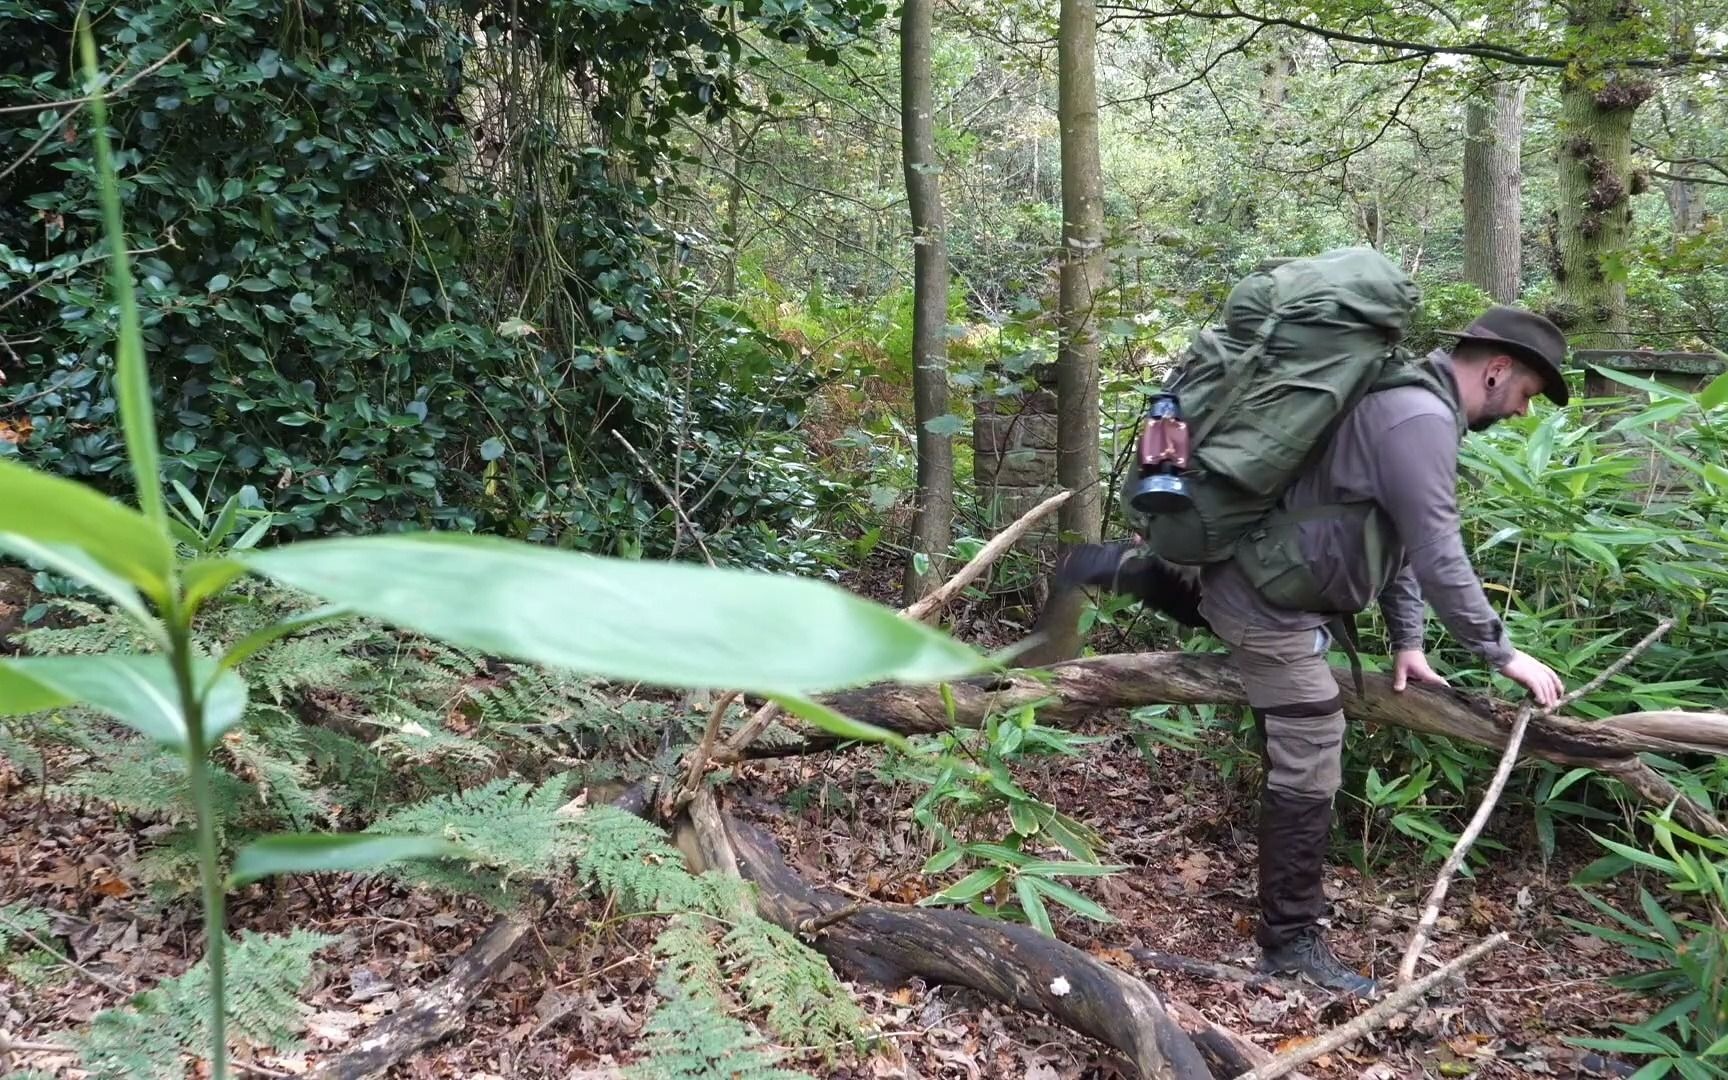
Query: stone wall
[[1014, 457]]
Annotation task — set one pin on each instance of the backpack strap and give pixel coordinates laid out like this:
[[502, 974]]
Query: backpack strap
[[1235, 381]]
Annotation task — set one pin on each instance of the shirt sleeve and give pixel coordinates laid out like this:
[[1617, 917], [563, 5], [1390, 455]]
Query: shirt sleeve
[[1417, 482], [1402, 606]]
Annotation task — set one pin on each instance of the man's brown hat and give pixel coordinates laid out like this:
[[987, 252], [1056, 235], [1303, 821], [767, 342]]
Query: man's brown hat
[[1527, 336]]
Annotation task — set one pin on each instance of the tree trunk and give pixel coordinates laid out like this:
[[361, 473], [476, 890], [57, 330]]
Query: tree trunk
[[1493, 177], [933, 520], [1685, 203], [734, 204], [1596, 181], [1082, 269]]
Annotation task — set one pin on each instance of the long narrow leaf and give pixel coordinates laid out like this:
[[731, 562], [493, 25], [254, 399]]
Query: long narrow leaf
[[137, 413], [78, 564], [139, 691], [308, 853], [55, 511], [666, 624]]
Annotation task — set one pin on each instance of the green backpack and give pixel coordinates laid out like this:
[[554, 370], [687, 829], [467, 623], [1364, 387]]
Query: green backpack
[[1261, 393]]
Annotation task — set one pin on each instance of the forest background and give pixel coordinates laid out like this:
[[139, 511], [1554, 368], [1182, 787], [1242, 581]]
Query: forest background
[[641, 280]]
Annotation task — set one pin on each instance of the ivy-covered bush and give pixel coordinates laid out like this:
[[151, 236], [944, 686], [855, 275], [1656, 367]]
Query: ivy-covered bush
[[378, 289]]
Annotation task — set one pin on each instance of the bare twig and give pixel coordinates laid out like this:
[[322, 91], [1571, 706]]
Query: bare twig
[[671, 500], [73, 107], [930, 603], [1374, 1018], [980, 562], [62, 272], [814, 926], [1454, 860], [64, 959], [678, 800]]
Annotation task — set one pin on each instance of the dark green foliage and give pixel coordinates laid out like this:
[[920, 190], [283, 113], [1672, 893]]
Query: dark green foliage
[[266, 975], [359, 318]]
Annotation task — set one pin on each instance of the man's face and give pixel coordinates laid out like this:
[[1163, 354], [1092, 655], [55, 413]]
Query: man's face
[[1507, 390]]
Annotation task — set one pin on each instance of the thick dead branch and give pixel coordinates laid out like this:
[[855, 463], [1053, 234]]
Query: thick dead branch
[[887, 944], [436, 1011], [1078, 689], [1479, 820]]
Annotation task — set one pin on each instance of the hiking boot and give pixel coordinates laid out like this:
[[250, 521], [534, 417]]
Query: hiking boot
[[1091, 564], [1121, 568], [1308, 956]]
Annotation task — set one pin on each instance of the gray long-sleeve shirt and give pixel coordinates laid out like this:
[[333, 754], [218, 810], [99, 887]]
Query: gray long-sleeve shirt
[[1398, 448]]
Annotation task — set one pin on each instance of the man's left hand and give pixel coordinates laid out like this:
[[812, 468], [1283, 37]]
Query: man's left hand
[[1410, 664]]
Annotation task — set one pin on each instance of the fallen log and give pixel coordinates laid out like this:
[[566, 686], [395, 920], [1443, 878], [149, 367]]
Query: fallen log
[[886, 944], [436, 1011], [1077, 689]]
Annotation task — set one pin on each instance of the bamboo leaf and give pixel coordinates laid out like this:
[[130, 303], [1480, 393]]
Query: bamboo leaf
[[51, 510], [310, 853], [666, 624], [138, 690], [1033, 904], [974, 884], [1068, 898]]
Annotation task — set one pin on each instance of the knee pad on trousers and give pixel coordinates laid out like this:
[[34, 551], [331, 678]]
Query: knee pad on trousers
[[1303, 747]]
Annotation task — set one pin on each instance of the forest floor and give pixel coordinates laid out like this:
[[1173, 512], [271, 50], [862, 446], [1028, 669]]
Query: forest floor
[[574, 1000]]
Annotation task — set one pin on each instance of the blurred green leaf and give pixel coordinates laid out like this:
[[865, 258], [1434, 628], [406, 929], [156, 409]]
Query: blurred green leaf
[[666, 624], [311, 853]]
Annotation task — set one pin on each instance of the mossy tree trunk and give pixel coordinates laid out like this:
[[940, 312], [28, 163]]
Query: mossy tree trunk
[[1598, 99], [933, 520]]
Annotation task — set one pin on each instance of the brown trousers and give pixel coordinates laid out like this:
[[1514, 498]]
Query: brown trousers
[[1296, 704]]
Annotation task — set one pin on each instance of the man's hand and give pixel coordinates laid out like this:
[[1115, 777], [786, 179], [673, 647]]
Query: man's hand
[[1536, 677], [1410, 664]]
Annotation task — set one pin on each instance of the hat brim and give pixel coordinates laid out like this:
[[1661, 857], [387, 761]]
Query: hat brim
[[1554, 380]]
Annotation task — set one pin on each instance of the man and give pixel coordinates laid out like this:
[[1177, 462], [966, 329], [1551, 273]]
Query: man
[[1397, 448]]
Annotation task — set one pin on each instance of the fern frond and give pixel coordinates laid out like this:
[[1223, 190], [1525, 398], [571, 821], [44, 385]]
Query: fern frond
[[687, 946], [266, 974], [134, 776], [512, 828], [18, 747], [18, 922], [423, 740], [691, 1037], [99, 630], [632, 858], [804, 1001], [303, 662]]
